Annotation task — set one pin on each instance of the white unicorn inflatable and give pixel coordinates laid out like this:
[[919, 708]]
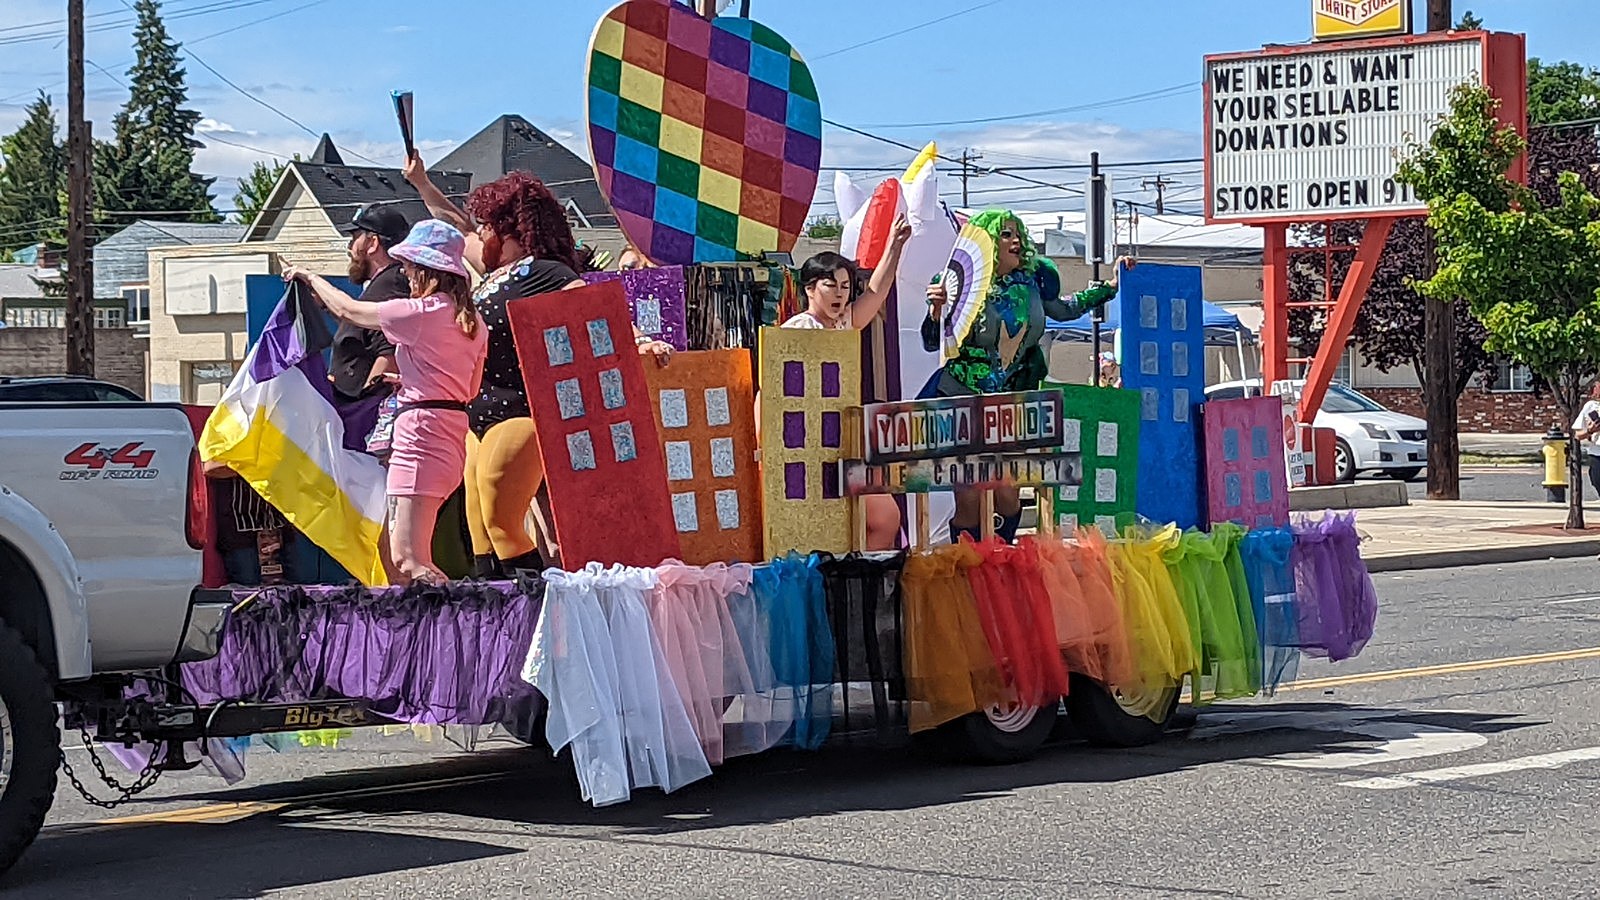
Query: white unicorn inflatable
[[933, 237]]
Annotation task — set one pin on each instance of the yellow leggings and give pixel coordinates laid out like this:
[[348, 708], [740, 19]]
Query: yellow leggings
[[503, 474]]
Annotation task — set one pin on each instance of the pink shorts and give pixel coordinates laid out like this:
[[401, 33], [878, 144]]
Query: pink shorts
[[429, 453]]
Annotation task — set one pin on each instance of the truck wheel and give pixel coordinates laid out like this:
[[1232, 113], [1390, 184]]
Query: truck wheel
[[30, 746], [1112, 719], [1000, 735]]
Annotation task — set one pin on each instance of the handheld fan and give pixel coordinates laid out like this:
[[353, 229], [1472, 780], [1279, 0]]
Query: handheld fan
[[967, 279]]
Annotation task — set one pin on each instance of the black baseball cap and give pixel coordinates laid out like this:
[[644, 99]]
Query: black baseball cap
[[383, 220]]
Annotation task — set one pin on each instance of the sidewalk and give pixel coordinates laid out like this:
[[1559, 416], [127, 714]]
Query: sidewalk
[[1435, 534], [1519, 446]]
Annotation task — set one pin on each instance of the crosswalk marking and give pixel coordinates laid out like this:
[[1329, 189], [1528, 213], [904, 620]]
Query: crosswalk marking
[[1458, 773]]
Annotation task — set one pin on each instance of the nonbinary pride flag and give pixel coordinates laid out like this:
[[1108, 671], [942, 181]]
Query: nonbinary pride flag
[[277, 427]]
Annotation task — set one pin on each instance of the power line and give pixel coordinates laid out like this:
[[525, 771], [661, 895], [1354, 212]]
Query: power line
[[1158, 94], [894, 34], [119, 24]]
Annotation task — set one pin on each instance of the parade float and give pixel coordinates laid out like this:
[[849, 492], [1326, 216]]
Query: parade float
[[716, 599]]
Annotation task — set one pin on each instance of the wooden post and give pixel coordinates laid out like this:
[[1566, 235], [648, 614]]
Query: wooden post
[[921, 538], [80, 271], [1439, 358], [986, 513], [1045, 501]]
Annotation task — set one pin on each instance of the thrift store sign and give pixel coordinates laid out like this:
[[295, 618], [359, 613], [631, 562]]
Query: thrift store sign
[[1339, 19], [1316, 134]]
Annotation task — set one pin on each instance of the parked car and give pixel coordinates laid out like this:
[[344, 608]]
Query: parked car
[[63, 389], [1370, 437]]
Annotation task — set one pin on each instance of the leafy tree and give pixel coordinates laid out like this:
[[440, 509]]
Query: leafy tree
[[825, 228], [1530, 270], [1562, 92], [255, 189], [34, 176], [1469, 22], [147, 166]]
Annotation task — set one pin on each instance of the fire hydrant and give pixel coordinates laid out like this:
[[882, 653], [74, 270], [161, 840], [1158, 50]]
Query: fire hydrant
[[1555, 466]]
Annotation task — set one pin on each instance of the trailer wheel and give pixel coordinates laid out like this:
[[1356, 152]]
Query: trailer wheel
[[30, 746], [1000, 735], [1113, 719]]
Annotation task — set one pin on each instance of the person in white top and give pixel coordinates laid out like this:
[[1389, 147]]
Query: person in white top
[[1587, 429], [829, 279]]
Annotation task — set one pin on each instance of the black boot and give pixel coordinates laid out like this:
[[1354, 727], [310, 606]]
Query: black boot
[[1007, 527], [956, 531]]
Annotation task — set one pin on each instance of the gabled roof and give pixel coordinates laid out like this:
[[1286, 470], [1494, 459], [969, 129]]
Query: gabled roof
[[124, 257], [339, 190], [326, 153], [17, 281], [512, 143]]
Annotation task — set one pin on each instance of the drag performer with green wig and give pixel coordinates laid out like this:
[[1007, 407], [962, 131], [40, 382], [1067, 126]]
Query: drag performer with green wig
[[1001, 353]]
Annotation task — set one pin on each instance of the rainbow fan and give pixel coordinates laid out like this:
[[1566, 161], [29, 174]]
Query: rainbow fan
[[967, 279]]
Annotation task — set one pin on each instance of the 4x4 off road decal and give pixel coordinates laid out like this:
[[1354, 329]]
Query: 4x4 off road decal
[[90, 461]]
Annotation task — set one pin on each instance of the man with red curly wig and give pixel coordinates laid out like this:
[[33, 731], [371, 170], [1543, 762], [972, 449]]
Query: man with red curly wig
[[519, 238]]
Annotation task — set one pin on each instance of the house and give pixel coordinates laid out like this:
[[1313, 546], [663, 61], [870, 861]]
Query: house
[[198, 322], [511, 143], [33, 336], [122, 261]]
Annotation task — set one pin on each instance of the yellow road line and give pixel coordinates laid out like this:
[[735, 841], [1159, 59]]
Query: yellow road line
[[1506, 662], [228, 812]]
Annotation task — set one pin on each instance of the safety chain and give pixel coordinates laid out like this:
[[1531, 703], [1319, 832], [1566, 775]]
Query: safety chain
[[146, 780]]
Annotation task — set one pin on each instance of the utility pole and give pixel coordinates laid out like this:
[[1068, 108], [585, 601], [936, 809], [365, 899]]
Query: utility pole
[[968, 157], [1439, 358], [1160, 183], [1095, 233], [80, 271]]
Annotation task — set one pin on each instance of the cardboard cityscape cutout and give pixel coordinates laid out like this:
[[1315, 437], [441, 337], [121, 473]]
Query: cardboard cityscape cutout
[[1245, 477], [658, 300], [602, 454], [810, 380], [704, 405], [1163, 358], [1102, 427]]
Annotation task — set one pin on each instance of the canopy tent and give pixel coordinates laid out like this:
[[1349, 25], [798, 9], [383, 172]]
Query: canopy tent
[[1223, 328]]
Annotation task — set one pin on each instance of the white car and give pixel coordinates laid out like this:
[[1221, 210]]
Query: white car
[[1371, 438]]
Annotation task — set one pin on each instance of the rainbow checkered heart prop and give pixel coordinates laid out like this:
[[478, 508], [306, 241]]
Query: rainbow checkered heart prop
[[706, 136]]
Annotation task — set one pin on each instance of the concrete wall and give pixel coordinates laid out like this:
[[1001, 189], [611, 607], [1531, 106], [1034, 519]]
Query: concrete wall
[[119, 356]]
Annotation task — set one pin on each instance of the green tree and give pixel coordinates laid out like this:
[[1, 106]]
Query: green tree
[[1529, 270], [1562, 92], [825, 228], [33, 178], [255, 189], [147, 166], [1469, 22]]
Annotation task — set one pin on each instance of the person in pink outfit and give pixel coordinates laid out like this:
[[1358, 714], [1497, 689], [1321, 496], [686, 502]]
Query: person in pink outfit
[[440, 344]]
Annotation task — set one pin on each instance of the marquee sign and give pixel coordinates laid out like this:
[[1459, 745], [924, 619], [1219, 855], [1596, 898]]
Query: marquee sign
[[1298, 134], [1335, 20], [962, 426]]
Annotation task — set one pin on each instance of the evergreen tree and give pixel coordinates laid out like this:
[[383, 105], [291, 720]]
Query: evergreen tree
[[255, 188], [147, 166], [33, 178]]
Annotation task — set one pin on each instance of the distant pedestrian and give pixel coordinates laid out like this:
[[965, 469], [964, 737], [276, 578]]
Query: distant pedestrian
[[1587, 429]]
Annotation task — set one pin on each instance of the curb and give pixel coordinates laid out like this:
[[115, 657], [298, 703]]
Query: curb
[[1486, 556]]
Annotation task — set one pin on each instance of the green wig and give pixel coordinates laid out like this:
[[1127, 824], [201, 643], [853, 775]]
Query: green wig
[[1040, 267]]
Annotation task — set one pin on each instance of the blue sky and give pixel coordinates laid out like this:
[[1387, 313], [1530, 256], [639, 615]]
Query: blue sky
[[1135, 64]]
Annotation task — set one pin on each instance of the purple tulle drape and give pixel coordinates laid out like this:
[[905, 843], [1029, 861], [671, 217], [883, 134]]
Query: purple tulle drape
[[1338, 604]]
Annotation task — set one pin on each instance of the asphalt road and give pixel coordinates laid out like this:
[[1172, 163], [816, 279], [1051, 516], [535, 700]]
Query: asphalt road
[[1485, 483], [1459, 756]]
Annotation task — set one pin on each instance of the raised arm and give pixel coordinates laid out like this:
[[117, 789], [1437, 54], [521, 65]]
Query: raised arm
[[937, 297], [1065, 309], [870, 303], [445, 209], [342, 305]]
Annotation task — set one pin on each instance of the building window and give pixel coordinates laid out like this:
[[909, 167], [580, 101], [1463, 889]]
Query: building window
[[1345, 372], [1512, 378], [111, 317], [138, 300]]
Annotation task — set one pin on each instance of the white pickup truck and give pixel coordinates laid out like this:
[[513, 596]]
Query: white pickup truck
[[99, 561]]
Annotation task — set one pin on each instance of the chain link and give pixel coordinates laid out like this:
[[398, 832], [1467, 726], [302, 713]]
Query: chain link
[[145, 781]]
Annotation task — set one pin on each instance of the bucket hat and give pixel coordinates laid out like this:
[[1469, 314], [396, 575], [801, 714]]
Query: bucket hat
[[435, 245]]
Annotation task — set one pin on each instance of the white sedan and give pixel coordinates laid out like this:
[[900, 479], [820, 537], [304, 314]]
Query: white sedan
[[1370, 437]]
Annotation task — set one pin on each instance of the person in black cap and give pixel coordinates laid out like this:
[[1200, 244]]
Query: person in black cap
[[362, 357]]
